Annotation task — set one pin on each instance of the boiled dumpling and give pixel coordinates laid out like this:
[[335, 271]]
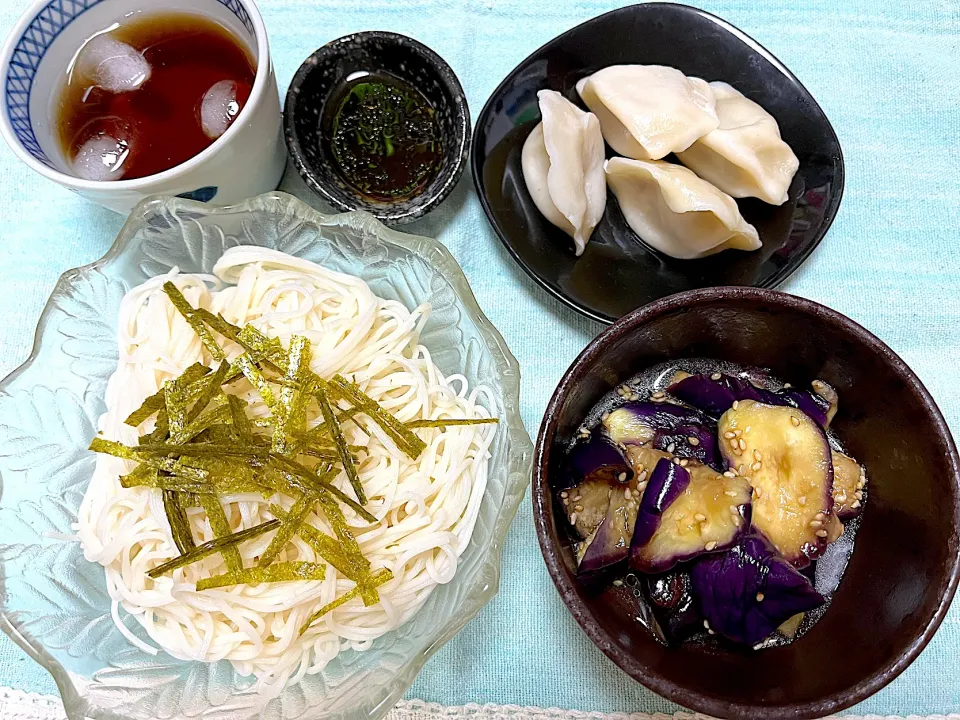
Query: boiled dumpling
[[647, 112], [676, 212], [562, 162], [745, 156]]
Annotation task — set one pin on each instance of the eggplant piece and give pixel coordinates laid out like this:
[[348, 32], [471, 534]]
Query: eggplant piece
[[673, 606], [708, 513], [586, 505], [849, 479], [749, 591], [714, 394], [787, 459], [684, 432], [609, 544], [597, 458]]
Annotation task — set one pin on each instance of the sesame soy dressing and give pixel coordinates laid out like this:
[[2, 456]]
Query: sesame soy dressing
[[825, 573]]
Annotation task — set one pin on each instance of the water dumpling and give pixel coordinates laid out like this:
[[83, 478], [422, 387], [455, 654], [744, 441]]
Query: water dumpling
[[676, 212], [745, 156], [562, 162], [647, 112]]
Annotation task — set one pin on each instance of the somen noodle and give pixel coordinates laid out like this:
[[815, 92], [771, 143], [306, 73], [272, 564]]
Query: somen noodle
[[425, 508]]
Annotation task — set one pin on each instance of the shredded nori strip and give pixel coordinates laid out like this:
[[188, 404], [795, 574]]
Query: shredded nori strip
[[402, 436], [443, 424], [213, 546], [318, 482], [221, 528], [291, 413], [250, 371], [327, 548], [346, 458], [291, 525], [210, 387], [157, 402], [195, 321], [241, 423], [377, 579], [218, 324], [280, 572], [179, 524]]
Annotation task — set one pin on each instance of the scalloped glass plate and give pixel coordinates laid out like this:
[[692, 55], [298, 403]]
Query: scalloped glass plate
[[55, 604]]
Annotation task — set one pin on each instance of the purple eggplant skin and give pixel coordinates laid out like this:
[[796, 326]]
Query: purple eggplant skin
[[714, 397], [666, 483], [598, 458], [669, 428], [747, 592], [673, 606]]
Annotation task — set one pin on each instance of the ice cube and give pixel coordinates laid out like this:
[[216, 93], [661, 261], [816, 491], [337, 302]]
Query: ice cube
[[219, 108], [101, 158], [113, 65]]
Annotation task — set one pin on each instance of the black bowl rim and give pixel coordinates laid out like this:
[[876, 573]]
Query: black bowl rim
[[648, 677], [773, 280], [427, 201]]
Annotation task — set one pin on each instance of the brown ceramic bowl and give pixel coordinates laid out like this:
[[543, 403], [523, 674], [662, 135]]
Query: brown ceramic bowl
[[904, 568]]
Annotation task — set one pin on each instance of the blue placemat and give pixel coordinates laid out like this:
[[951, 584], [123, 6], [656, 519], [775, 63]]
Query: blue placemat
[[885, 71]]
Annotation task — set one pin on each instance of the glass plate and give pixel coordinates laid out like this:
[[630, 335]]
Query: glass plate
[[55, 604]]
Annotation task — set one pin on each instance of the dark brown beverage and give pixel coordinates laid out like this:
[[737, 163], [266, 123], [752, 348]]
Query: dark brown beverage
[[151, 93]]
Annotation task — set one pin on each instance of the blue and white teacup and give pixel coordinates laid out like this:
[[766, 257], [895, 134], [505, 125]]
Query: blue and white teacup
[[248, 159]]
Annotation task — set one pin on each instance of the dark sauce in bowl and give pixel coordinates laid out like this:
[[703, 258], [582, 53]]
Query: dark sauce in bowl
[[384, 137]]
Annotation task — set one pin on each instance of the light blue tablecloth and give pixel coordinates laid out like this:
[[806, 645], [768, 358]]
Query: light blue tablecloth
[[885, 72]]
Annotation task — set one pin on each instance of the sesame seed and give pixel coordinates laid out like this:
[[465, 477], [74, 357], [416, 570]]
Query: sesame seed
[[566, 502], [709, 546], [815, 523], [564, 494], [758, 491], [757, 455], [855, 504], [860, 484], [821, 533], [641, 476], [577, 497], [617, 583], [759, 597], [729, 474], [710, 632], [627, 493], [671, 447], [787, 386], [819, 516], [742, 443], [699, 517], [841, 496], [641, 486], [622, 477], [736, 404], [578, 508], [747, 429], [730, 493], [734, 444], [729, 434], [693, 440], [605, 416], [716, 376], [573, 519], [802, 499], [683, 462], [756, 466], [859, 494], [676, 461], [657, 395], [706, 624], [741, 469], [795, 420], [733, 510]]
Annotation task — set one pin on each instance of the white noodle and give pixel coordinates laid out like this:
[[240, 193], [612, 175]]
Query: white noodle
[[426, 508]]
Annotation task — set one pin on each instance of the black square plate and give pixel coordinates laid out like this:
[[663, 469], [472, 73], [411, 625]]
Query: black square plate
[[618, 272]]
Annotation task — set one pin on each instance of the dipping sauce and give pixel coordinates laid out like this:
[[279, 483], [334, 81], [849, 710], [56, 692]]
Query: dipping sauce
[[384, 137], [149, 93]]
